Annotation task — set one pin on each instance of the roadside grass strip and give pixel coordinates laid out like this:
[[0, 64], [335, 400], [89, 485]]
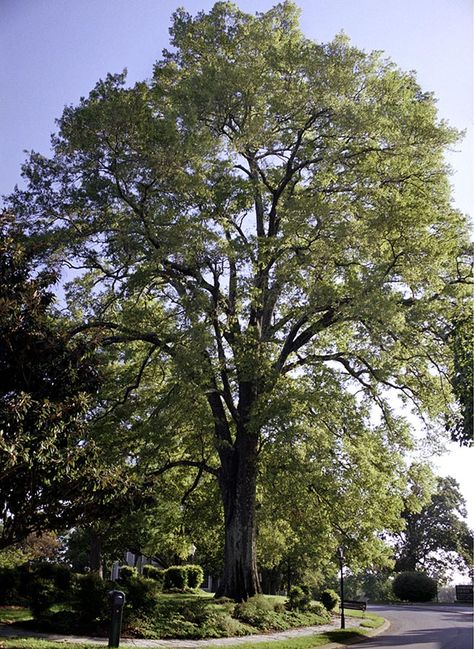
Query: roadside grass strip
[[370, 621]]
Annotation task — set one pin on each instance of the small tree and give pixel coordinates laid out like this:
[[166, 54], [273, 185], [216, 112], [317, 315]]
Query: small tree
[[414, 587]]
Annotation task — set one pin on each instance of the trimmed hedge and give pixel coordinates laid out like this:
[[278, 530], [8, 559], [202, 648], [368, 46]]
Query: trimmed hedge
[[183, 577], [195, 576], [127, 572], [152, 572], [330, 599]]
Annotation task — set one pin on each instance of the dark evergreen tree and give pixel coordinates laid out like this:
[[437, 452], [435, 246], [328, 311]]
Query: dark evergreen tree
[[47, 461]]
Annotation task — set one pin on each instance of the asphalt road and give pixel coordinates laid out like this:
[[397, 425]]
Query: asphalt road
[[424, 627]]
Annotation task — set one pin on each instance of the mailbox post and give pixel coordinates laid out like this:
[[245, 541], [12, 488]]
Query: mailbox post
[[117, 600]]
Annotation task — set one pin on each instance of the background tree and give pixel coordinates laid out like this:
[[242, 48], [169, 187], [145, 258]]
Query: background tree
[[436, 539], [49, 471], [264, 209], [461, 424]]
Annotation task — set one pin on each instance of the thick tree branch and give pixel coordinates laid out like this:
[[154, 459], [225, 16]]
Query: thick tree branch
[[172, 464]]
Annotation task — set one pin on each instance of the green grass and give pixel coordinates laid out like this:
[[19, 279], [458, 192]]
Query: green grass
[[32, 643], [368, 621], [306, 642], [9, 614]]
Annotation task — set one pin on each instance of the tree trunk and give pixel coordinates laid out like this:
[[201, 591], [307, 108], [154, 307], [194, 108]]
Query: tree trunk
[[95, 554], [237, 480]]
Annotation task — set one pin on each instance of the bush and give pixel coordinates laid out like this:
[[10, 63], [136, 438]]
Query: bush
[[330, 599], [9, 586], [414, 587], [58, 574], [299, 598], [175, 577], [48, 584], [43, 594], [90, 597], [258, 611], [152, 572], [141, 596], [194, 575], [127, 572], [317, 608]]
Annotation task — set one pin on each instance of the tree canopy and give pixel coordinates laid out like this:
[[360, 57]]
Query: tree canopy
[[265, 234], [436, 538], [47, 462]]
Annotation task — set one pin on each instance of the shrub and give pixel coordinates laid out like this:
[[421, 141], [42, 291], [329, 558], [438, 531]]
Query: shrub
[[317, 608], [141, 595], [90, 597], [330, 599], [258, 611], [58, 574], [43, 594], [152, 572], [127, 572], [414, 587], [9, 586], [195, 576], [299, 598], [47, 584], [175, 577]]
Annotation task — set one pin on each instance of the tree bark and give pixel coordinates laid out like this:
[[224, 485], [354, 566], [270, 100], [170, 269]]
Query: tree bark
[[237, 481], [95, 554]]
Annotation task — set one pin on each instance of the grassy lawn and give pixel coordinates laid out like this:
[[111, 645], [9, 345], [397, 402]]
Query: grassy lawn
[[9, 614], [368, 621], [307, 642]]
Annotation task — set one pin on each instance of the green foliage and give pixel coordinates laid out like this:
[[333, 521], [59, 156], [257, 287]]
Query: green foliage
[[43, 594], [57, 573], [330, 599], [175, 577], [414, 586], [435, 538], [48, 584], [266, 230], [189, 616], [194, 576], [140, 597], [317, 608], [299, 598], [152, 572], [90, 597], [46, 459], [373, 585], [461, 424], [127, 573], [264, 614], [9, 586]]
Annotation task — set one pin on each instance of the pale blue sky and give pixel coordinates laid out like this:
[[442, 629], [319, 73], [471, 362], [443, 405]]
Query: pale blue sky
[[53, 51]]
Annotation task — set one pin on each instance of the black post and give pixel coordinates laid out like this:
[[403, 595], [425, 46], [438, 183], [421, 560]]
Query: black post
[[341, 563], [117, 600]]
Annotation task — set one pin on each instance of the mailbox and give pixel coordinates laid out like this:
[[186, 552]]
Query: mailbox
[[117, 601]]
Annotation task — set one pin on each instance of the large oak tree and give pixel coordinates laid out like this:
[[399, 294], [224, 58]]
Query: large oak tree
[[266, 216]]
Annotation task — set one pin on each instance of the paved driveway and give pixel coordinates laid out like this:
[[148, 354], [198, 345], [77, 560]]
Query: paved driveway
[[424, 627]]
